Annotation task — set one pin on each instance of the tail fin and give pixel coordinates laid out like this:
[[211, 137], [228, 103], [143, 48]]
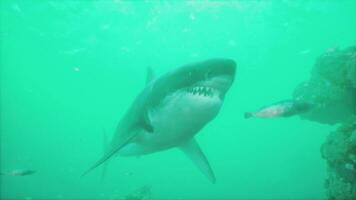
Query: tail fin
[[112, 150], [105, 148], [248, 115]]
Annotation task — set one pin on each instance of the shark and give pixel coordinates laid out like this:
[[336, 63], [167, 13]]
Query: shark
[[171, 110]]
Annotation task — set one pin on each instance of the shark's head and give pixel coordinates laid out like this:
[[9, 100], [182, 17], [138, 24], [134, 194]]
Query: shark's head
[[210, 78], [193, 94]]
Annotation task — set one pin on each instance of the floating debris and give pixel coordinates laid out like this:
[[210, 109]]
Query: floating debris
[[306, 51], [76, 69]]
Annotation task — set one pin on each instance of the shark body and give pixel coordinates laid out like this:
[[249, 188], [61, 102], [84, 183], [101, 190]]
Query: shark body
[[171, 110]]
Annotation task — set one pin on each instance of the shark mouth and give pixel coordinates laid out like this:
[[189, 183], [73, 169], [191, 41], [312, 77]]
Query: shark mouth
[[202, 91]]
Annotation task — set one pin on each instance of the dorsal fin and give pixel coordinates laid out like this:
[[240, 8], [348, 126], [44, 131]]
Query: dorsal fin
[[146, 123], [149, 75]]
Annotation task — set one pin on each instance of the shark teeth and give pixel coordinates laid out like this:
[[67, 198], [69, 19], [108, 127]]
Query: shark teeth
[[201, 91]]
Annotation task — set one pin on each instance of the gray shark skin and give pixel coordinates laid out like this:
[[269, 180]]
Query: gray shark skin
[[171, 110]]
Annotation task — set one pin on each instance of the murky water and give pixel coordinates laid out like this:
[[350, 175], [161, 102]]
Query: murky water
[[71, 69]]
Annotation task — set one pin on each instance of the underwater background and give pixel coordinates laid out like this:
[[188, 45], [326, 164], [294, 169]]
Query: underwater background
[[70, 70]]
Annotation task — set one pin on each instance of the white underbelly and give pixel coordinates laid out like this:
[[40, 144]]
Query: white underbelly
[[175, 121]]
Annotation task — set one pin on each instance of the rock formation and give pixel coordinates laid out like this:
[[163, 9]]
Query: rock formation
[[332, 90]]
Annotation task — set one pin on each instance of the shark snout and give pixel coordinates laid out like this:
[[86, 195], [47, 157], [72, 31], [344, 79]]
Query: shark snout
[[223, 67], [221, 82]]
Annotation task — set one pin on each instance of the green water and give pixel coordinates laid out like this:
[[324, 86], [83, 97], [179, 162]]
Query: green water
[[70, 69]]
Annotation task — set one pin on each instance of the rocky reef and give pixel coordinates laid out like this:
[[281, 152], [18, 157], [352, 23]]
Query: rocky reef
[[332, 91], [331, 88], [339, 150]]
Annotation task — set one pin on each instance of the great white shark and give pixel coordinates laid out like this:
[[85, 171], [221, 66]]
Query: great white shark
[[171, 110]]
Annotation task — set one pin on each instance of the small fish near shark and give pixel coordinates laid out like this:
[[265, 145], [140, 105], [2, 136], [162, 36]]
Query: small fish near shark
[[19, 172], [171, 110], [286, 108]]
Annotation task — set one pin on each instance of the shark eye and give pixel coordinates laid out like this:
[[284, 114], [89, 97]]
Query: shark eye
[[190, 75], [209, 74]]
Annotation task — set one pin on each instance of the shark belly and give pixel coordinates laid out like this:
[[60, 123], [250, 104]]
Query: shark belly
[[176, 120]]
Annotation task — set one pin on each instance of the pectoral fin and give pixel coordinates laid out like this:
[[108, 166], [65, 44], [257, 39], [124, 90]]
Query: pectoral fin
[[146, 123], [193, 151]]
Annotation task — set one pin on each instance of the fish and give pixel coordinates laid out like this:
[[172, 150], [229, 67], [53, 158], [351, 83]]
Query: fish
[[286, 108], [19, 172], [171, 110]]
